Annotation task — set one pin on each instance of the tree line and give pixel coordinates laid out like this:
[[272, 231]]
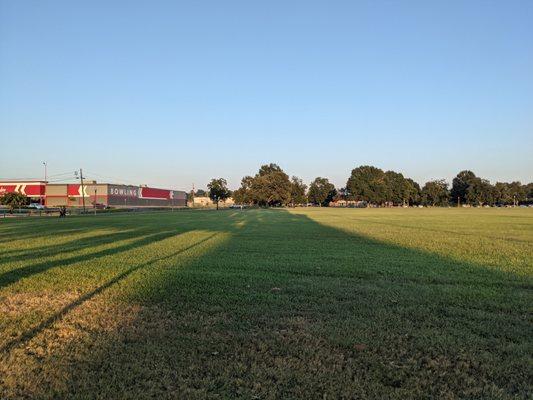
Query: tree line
[[369, 185]]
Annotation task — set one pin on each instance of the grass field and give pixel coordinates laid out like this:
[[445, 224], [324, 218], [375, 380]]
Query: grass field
[[304, 303]]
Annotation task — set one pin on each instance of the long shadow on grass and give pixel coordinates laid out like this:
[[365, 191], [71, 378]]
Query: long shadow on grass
[[289, 308], [27, 230], [30, 334], [13, 276], [141, 230], [63, 248], [34, 228]]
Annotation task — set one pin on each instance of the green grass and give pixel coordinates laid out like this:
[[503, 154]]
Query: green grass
[[305, 303]]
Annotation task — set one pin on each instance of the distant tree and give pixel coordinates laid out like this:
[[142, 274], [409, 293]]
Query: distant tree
[[490, 194], [200, 193], [342, 194], [298, 189], [239, 196], [512, 193], [269, 169], [529, 192], [218, 190], [14, 200], [413, 191], [502, 193], [479, 192], [269, 187], [399, 189], [460, 186], [321, 192], [369, 184], [517, 192], [243, 195], [435, 193]]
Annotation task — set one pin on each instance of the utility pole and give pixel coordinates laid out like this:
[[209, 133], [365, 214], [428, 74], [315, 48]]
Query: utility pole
[[45, 182], [95, 200], [82, 191]]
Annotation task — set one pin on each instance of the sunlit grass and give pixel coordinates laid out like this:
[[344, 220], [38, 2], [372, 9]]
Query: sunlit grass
[[307, 303], [491, 237]]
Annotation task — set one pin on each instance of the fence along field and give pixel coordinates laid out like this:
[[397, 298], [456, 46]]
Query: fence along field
[[312, 303]]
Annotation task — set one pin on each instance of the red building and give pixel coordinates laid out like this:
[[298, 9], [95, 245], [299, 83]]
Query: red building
[[95, 194], [35, 190]]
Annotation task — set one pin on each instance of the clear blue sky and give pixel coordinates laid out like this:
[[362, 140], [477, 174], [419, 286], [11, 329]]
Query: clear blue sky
[[171, 93]]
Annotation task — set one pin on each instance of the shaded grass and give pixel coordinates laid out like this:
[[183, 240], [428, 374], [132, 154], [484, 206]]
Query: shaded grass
[[269, 304]]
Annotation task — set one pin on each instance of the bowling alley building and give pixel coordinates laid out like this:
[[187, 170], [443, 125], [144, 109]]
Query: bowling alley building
[[95, 194]]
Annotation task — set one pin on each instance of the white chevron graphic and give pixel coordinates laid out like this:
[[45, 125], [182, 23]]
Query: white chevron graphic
[[84, 192]]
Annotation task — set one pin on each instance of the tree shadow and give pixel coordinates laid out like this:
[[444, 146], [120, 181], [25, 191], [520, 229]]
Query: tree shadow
[[290, 308], [35, 228], [63, 248], [143, 235], [30, 334], [13, 276]]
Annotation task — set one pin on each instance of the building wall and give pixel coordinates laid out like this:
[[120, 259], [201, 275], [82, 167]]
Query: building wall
[[70, 194], [112, 195], [35, 190], [128, 196]]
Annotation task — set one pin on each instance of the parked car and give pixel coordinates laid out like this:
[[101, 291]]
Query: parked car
[[36, 206]]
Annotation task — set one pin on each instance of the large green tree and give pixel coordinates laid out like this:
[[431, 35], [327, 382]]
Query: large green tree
[[14, 200], [218, 190], [298, 189], [268, 169], [528, 189], [511, 193], [518, 192], [368, 184], [399, 189], [460, 186], [479, 192], [502, 193], [321, 192], [243, 195], [413, 192], [269, 187], [435, 193]]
